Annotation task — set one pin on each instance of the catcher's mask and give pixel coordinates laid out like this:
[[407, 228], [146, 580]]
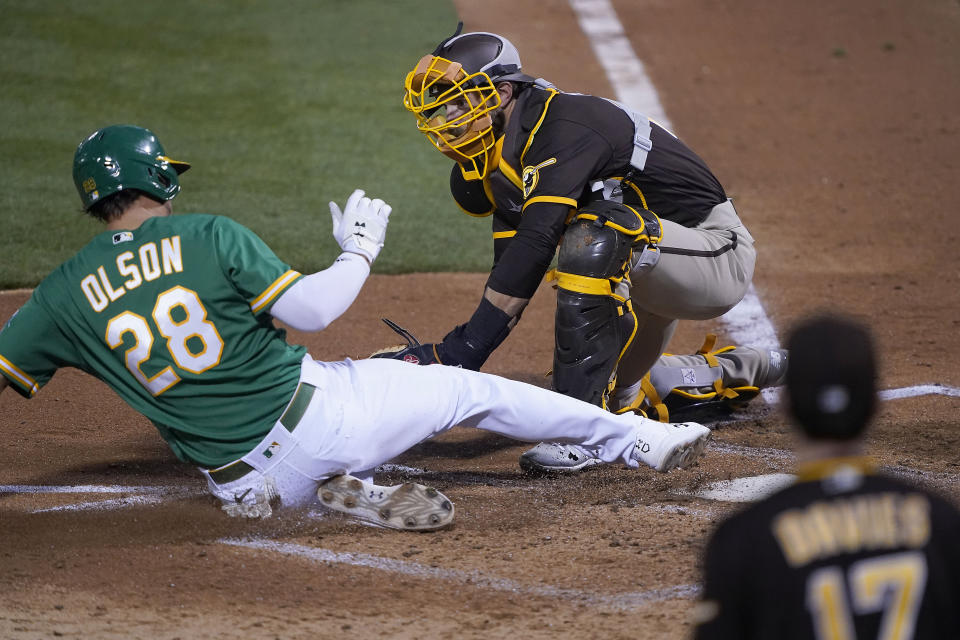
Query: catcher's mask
[[453, 94], [123, 157]]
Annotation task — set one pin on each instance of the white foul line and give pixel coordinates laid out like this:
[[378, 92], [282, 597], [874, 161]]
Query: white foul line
[[777, 457], [610, 44], [478, 579], [772, 394], [920, 390], [105, 505], [84, 488]]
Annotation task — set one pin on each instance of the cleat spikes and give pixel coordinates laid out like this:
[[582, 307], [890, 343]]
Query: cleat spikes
[[408, 506]]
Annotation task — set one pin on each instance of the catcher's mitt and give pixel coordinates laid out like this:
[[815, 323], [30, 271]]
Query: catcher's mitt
[[412, 352]]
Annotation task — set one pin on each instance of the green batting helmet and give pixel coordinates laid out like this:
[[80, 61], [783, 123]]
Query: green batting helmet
[[124, 157]]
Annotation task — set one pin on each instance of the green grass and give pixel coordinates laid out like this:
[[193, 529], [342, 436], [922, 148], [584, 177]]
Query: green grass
[[280, 106]]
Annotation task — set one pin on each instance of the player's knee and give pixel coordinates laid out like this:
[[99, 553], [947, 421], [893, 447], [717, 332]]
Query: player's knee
[[599, 241]]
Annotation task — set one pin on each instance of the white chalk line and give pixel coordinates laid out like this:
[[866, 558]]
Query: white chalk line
[[613, 50], [105, 505], [141, 495], [477, 579], [920, 390], [84, 488], [781, 456], [772, 394]]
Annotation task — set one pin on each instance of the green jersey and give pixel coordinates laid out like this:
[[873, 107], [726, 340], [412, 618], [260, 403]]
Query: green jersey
[[173, 317]]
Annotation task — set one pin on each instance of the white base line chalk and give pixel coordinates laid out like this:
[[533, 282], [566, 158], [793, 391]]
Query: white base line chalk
[[919, 390], [610, 44], [105, 505], [772, 394], [476, 579], [781, 457], [86, 488]]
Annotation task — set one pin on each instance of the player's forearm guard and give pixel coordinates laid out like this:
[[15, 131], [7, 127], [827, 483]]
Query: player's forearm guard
[[469, 345]]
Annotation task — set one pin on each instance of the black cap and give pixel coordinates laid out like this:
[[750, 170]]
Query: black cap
[[831, 379]]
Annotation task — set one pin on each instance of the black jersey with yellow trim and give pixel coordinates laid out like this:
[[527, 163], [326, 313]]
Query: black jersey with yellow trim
[[583, 139], [843, 548], [558, 144], [555, 148]]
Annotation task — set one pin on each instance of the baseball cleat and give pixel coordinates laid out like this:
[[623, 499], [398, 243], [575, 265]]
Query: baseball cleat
[[553, 457], [408, 506], [665, 446]]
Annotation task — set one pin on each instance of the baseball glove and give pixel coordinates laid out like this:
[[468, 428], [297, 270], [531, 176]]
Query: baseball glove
[[412, 352]]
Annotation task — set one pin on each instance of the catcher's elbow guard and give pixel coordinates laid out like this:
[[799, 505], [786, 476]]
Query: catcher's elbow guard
[[595, 322]]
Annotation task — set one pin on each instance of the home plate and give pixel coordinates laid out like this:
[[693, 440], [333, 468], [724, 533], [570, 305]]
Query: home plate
[[746, 489]]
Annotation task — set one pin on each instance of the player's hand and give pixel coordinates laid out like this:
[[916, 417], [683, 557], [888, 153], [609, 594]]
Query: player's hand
[[362, 225]]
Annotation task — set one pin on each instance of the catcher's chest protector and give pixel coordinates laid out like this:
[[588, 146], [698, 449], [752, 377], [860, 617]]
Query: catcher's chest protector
[[595, 322]]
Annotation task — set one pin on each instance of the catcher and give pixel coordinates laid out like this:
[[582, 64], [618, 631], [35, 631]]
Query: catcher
[[174, 313], [645, 231]]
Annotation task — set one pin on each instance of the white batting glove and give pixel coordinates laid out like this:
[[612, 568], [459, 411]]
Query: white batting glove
[[362, 225]]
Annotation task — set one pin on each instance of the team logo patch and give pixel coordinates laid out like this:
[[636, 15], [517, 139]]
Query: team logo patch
[[531, 176], [689, 376], [123, 236], [89, 185], [272, 449], [411, 359]]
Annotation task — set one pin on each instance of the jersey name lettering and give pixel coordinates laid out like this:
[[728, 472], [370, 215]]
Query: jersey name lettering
[[149, 263], [850, 525]]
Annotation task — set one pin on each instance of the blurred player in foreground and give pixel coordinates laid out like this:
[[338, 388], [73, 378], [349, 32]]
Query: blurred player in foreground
[[845, 552], [174, 313]]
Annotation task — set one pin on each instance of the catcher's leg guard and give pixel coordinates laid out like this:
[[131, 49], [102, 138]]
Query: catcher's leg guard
[[724, 379], [595, 322]]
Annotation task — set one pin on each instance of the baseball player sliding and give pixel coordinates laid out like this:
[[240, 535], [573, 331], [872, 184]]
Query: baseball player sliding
[[174, 313], [645, 231]]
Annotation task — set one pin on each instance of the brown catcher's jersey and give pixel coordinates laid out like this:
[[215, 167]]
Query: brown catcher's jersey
[[556, 148], [843, 554]]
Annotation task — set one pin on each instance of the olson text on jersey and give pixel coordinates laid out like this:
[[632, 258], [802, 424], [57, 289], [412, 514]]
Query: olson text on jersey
[[150, 261]]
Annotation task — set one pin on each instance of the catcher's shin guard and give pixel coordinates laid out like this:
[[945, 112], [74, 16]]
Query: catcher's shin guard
[[595, 322], [709, 380]]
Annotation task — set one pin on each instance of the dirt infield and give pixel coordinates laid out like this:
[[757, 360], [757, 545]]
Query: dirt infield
[[834, 126]]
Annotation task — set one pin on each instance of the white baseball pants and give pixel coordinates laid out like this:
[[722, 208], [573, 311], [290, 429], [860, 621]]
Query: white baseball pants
[[366, 412]]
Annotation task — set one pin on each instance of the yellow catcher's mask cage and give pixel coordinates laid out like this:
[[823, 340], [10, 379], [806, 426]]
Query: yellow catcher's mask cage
[[453, 109]]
